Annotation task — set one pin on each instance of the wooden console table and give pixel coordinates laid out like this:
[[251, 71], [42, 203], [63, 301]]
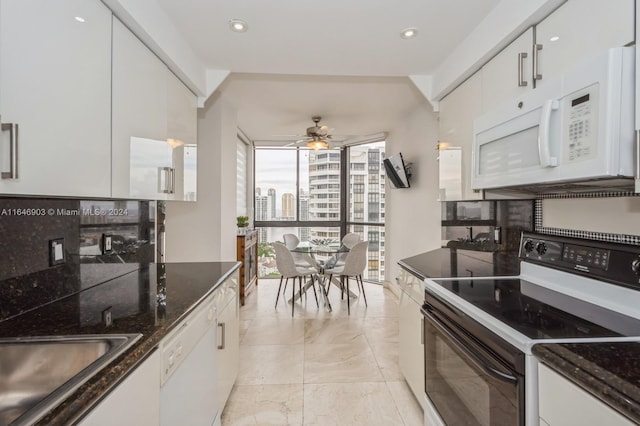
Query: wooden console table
[[247, 253]]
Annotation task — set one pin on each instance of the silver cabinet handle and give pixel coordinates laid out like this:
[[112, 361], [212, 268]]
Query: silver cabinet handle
[[222, 329], [12, 128], [521, 57], [168, 184], [536, 52]]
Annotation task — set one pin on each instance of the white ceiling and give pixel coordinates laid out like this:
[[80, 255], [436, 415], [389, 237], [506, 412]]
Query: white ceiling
[[305, 42]]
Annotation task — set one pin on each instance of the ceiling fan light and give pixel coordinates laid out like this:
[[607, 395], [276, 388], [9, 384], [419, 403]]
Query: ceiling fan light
[[317, 144], [174, 143]]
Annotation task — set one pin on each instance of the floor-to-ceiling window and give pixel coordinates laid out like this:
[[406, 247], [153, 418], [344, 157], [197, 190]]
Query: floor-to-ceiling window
[[296, 191], [365, 202], [320, 195]]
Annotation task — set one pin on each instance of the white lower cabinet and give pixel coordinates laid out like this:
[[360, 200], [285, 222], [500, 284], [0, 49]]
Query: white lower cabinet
[[135, 401], [188, 379], [228, 338], [564, 403], [411, 351]]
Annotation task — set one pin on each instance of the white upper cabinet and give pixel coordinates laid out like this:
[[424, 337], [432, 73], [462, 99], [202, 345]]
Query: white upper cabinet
[[570, 35], [154, 125], [578, 30], [455, 130], [141, 156], [55, 89], [182, 135], [508, 75]]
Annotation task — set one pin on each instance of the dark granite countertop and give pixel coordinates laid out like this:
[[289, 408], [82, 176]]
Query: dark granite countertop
[[452, 262], [133, 303], [609, 371]]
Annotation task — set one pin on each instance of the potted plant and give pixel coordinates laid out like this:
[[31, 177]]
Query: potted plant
[[242, 222]]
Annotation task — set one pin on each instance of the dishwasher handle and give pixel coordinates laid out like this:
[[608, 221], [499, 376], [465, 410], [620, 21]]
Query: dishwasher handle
[[223, 327]]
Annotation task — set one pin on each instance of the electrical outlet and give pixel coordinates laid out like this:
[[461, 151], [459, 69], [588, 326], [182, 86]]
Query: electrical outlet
[[107, 320], [56, 252], [107, 246]]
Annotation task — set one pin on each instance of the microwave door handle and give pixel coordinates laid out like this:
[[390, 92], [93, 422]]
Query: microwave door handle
[[544, 140]]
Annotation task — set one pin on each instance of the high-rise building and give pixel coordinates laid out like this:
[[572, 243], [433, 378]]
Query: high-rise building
[[324, 191], [304, 232], [288, 206], [365, 198], [271, 193], [262, 212]]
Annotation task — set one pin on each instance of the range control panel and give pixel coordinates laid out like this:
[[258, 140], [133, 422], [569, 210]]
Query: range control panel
[[611, 262], [587, 256]]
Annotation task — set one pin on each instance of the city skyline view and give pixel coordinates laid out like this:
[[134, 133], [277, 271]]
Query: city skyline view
[[310, 187]]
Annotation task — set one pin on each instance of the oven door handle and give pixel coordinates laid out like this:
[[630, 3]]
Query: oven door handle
[[472, 356]]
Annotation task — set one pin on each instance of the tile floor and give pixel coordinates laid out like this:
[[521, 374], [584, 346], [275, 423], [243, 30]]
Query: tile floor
[[320, 368]]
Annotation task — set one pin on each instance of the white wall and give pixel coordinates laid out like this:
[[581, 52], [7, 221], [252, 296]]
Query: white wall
[[412, 215], [205, 230], [618, 215]]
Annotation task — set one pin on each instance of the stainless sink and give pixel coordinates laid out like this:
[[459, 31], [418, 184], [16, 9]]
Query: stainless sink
[[38, 373]]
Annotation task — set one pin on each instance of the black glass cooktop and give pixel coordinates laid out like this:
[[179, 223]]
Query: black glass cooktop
[[538, 312]]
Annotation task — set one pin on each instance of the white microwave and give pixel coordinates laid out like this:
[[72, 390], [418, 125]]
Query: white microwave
[[578, 128]]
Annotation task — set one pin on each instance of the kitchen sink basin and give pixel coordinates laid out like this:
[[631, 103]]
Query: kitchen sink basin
[[38, 373]]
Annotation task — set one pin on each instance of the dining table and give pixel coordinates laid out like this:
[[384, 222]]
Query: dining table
[[321, 256]]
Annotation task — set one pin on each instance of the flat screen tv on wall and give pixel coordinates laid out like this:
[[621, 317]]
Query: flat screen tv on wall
[[397, 172]]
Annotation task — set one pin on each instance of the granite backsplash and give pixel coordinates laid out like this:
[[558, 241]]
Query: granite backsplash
[[29, 278]]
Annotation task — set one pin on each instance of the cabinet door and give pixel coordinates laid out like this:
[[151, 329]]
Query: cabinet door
[[141, 156], [508, 74], [580, 29], [135, 401], [182, 128], [228, 344], [411, 351], [564, 403], [55, 84], [457, 112]]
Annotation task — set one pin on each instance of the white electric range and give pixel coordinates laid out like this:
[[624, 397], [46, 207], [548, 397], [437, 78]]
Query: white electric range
[[479, 331]]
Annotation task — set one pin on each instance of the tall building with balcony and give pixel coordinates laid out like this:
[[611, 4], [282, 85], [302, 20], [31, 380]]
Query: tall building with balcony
[[365, 198], [324, 191]]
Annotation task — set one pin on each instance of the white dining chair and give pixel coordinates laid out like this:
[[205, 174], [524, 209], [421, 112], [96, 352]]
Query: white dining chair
[[354, 264], [302, 260], [349, 240], [288, 269]]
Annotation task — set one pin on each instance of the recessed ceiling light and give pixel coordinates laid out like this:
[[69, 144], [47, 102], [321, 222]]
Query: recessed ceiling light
[[79, 18], [238, 25], [409, 33], [554, 38]]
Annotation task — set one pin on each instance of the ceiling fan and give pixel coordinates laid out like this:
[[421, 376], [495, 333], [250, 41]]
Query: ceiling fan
[[317, 136]]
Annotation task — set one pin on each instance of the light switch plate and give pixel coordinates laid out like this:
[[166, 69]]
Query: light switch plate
[[56, 252]]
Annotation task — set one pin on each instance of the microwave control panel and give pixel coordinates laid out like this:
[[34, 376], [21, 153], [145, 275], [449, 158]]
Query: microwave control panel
[[580, 130]]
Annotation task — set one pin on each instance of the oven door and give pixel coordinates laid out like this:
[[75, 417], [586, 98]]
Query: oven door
[[465, 382]]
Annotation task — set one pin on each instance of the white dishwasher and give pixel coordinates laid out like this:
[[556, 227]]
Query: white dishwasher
[[188, 378]]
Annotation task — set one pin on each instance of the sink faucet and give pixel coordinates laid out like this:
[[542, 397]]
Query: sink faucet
[[470, 233]]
